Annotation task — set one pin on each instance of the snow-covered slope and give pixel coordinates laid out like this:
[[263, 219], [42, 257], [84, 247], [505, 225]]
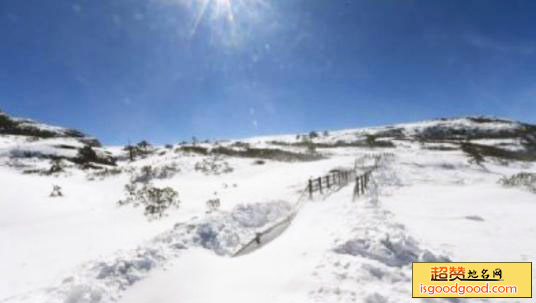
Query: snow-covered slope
[[30, 128], [436, 194]]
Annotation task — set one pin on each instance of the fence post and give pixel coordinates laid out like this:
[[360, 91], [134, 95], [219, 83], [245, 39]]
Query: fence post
[[310, 189], [319, 180], [327, 181], [356, 188]]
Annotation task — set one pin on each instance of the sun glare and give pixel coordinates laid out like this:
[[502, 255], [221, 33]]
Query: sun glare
[[217, 9], [226, 17]]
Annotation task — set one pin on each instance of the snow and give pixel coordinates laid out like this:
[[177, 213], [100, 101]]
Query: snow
[[423, 205]]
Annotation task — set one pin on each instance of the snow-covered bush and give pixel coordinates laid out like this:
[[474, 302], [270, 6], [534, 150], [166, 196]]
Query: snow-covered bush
[[104, 173], [148, 173], [167, 171], [56, 166], [155, 201], [523, 179], [213, 165], [19, 153], [474, 155], [213, 205], [87, 155], [56, 191]]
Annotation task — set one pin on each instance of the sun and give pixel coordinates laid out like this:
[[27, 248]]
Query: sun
[[228, 23], [218, 9]]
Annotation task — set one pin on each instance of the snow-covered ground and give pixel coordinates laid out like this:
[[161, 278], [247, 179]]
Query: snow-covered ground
[[423, 205]]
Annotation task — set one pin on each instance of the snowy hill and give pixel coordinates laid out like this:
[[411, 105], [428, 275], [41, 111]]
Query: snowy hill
[[79, 222], [25, 143], [29, 128]]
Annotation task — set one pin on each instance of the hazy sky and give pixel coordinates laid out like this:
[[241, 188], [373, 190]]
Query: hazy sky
[[166, 70]]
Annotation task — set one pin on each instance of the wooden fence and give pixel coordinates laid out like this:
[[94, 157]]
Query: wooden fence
[[361, 183], [334, 180], [337, 179]]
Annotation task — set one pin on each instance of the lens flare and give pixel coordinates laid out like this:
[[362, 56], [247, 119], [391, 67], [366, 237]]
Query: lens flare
[[229, 21]]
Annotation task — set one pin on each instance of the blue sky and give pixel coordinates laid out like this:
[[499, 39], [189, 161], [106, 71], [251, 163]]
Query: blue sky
[[167, 70]]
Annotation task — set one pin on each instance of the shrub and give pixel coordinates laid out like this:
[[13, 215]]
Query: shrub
[[473, 153], [313, 134], [213, 165], [194, 149], [479, 151], [213, 205], [6, 123], [103, 173], [440, 147], [144, 144], [142, 149], [56, 191], [523, 179], [155, 201], [86, 156], [240, 144], [311, 148], [266, 153], [371, 140], [55, 166], [74, 133], [148, 173]]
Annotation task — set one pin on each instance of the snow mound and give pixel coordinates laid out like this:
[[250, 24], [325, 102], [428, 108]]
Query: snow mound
[[259, 214], [400, 251], [104, 280], [226, 233]]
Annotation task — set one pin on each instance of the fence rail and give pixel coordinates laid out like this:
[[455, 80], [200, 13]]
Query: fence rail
[[339, 179], [335, 179]]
